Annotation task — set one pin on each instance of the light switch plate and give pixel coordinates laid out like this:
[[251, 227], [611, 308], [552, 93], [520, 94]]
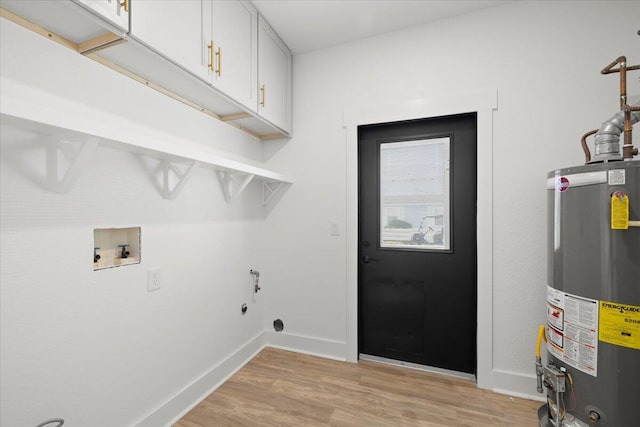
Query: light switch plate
[[333, 228]]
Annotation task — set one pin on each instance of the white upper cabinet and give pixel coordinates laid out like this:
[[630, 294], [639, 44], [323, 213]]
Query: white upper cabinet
[[214, 40], [174, 28], [235, 48], [217, 56], [115, 11], [274, 77]]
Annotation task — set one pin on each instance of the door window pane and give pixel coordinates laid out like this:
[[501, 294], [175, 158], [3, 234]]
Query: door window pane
[[414, 194]]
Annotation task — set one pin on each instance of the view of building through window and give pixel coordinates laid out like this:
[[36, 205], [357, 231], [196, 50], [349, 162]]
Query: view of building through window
[[414, 194]]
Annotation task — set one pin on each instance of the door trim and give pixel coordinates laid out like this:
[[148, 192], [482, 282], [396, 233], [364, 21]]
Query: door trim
[[483, 103]]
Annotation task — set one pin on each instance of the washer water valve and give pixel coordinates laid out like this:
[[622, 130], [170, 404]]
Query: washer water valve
[[124, 253]]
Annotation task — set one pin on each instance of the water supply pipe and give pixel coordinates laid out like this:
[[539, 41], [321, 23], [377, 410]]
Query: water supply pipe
[[585, 147], [607, 139]]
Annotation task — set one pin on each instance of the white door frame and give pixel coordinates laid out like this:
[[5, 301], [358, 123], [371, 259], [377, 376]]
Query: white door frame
[[483, 103]]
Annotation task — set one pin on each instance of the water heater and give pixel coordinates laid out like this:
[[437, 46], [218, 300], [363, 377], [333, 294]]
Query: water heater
[[592, 374]]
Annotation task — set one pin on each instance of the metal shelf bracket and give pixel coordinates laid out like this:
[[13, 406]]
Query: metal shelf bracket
[[75, 154], [174, 175], [233, 183]]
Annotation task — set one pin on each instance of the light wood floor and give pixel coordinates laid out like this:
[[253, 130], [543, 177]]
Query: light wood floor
[[281, 388]]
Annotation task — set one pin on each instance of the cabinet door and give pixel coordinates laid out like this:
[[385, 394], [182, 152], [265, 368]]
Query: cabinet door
[[274, 77], [175, 29], [236, 47], [115, 11]]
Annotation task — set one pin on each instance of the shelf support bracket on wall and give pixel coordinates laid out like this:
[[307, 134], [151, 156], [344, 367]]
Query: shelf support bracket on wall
[[269, 189], [233, 183], [169, 170], [76, 156], [67, 151]]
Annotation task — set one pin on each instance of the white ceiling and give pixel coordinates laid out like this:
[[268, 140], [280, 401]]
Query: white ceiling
[[306, 25]]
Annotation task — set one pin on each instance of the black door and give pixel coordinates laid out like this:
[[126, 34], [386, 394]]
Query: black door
[[417, 241]]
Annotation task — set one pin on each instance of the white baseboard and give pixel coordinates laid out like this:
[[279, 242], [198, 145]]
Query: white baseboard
[[504, 382], [182, 402], [517, 385], [329, 349]]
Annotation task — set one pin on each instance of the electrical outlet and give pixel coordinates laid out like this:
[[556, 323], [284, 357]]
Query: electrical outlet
[[153, 279]]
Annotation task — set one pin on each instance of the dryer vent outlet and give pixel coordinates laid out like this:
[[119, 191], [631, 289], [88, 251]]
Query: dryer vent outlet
[[278, 325]]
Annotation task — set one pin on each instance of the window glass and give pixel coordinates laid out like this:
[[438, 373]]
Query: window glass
[[414, 194]]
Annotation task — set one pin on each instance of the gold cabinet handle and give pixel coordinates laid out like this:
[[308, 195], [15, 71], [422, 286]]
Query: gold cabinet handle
[[219, 56], [263, 89], [125, 5], [211, 56]]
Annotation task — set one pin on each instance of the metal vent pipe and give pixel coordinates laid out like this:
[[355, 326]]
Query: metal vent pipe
[[607, 139]]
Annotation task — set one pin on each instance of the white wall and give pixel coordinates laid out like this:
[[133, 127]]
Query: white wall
[[544, 59], [94, 347]]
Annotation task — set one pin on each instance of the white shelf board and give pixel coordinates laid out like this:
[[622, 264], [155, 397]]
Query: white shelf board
[[26, 108]]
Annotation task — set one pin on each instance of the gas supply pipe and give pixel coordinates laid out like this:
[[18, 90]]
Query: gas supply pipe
[[539, 369]]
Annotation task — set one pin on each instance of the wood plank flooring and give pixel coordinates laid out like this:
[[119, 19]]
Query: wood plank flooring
[[281, 388]]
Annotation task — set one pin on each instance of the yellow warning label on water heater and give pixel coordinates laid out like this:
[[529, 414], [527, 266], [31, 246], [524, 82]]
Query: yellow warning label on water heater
[[620, 324], [619, 211]]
